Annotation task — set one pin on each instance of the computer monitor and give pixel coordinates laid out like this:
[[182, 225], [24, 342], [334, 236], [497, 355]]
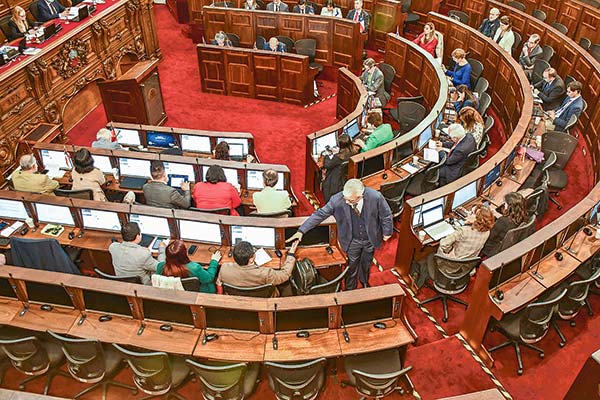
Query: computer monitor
[[297, 320], [258, 236], [157, 226], [134, 167], [163, 140], [128, 137], [371, 166], [200, 231], [55, 159], [464, 194], [171, 312], [424, 138], [509, 160], [230, 141], [236, 150], [103, 164], [46, 293], [324, 142], [426, 206], [106, 302], [352, 129], [505, 272], [13, 209], [366, 311], [231, 175], [433, 215], [172, 168], [254, 180], [197, 144], [49, 213], [102, 220], [238, 320], [491, 177]]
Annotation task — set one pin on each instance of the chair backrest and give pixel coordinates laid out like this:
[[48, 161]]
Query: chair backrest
[[560, 27], [255, 291], [515, 235], [224, 382], [377, 385], [571, 123], [406, 5], [33, 9], [484, 102], [85, 357], [151, 371], [277, 214], [518, 5], [260, 42], [234, 39], [534, 201], [86, 194], [389, 73], [191, 284], [481, 86], [585, 43], [459, 16], [577, 292], [344, 169], [332, 286], [27, 355], [222, 210], [307, 47], [517, 42], [561, 145], [128, 279], [476, 70], [550, 160], [472, 161], [569, 79], [4, 26], [585, 105], [410, 114], [451, 274], [547, 53], [432, 174], [535, 321], [396, 189], [595, 51], [539, 14], [296, 381], [488, 123], [44, 254], [539, 67], [289, 43]]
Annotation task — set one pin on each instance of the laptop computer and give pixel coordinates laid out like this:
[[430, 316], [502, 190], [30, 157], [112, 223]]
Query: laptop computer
[[133, 182], [49, 31], [434, 223]]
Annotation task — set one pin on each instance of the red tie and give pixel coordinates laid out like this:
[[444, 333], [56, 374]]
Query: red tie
[[356, 16]]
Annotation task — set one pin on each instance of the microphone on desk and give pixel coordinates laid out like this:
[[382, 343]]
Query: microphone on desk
[[420, 219], [142, 323], [16, 290], [72, 233], [275, 342], [72, 297], [572, 241], [499, 294], [362, 169], [537, 266], [344, 330], [34, 224]]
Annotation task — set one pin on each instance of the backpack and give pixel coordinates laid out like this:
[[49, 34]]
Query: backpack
[[304, 276]]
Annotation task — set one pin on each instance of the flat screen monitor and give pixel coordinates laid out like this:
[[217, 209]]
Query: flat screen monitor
[[200, 231], [359, 313], [509, 160], [316, 236], [426, 206], [298, 320], [464, 195], [505, 273], [234, 141], [163, 140], [236, 150], [45, 293], [6, 289], [102, 220], [172, 168], [424, 138], [197, 144], [231, 175], [134, 167], [13, 209], [106, 302], [433, 215], [156, 226], [258, 236], [491, 177], [254, 180], [103, 164], [49, 213], [171, 312], [232, 319], [352, 129], [324, 142], [128, 137], [371, 166], [542, 250], [55, 159]]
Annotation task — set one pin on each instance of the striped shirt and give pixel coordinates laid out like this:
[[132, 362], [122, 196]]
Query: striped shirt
[[465, 242]]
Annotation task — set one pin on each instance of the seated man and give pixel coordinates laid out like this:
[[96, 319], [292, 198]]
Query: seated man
[[159, 194], [275, 45], [489, 25], [27, 179], [571, 105], [459, 146], [381, 135], [373, 80], [278, 5], [531, 52], [221, 40], [359, 15], [131, 259], [104, 140], [551, 90], [245, 273], [303, 8], [271, 200], [50, 9]]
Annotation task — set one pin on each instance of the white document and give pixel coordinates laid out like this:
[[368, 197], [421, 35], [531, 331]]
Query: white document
[[409, 168], [261, 257], [6, 232], [431, 155], [55, 172]]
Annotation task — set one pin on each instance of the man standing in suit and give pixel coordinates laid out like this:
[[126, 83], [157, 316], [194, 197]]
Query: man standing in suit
[[551, 90], [364, 221], [50, 9], [572, 105], [277, 6], [459, 147], [27, 178], [373, 80], [303, 8], [158, 194], [275, 45], [360, 15]]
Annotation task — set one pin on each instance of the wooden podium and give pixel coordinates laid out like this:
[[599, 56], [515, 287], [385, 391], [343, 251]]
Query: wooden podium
[[135, 97]]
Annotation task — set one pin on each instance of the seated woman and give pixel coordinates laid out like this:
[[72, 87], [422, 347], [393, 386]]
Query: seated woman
[[178, 264], [463, 97], [381, 135], [271, 200], [334, 179], [461, 73], [251, 5], [222, 151], [514, 214], [428, 40], [19, 24], [221, 40], [471, 120], [504, 35], [330, 10], [85, 176], [216, 192]]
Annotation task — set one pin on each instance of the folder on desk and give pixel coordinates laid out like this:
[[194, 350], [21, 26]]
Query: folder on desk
[[409, 168], [431, 155]]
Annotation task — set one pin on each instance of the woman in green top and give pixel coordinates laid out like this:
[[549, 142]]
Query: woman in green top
[[381, 135], [178, 264]]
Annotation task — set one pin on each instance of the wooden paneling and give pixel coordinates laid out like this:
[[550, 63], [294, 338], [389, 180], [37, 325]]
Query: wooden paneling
[[212, 71], [387, 17]]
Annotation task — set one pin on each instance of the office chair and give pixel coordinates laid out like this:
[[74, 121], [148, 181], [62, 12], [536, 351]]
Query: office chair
[[89, 362], [515, 235], [86, 194], [484, 103], [260, 4], [481, 86], [570, 305], [561, 144], [411, 18], [256, 291], [288, 41], [44, 254], [234, 39], [515, 47], [277, 214], [308, 47], [333, 286], [225, 381], [394, 194], [156, 373], [127, 279], [528, 326], [191, 284], [488, 124], [33, 9], [377, 374], [34, 357], [560, 27], [556, 179], [451, 277], [539, 66], [408, 114], [459, 16], [569, 79], [539, 14], [585, 105], [221, 210], [298, 381], [426, 180], [260, 40], [472, 161], [585, 43], [389, 73], [518, 5], [537, 201], [547, 53], [4, 26], [595, 51], [476, 70]]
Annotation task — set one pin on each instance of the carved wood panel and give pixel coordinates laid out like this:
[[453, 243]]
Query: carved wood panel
[[569, 15], [239, 74], [244, 28], [266, 73]]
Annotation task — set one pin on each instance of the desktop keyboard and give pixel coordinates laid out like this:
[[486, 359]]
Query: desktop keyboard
[[132, 182], [439, 230]]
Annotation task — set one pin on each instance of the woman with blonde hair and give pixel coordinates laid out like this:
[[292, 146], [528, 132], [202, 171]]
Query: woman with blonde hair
[[19, 24], [428, 39], [472, 121]]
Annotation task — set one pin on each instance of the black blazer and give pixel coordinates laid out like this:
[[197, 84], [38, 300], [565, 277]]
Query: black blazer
[[553, 94], [456, 159], [13, 29], [45, 13]]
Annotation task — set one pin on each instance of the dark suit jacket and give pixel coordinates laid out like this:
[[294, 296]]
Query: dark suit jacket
[[456, 159], [282, 7], [378, 216], [488, 28], [553, 94], [574, 108], [45, 13], [364, 17], [13, 30], [281, 47], [307, 10]]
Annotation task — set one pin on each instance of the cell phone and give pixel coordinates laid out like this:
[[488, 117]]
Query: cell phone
[[3, 224], [192, 249], [157, 242]]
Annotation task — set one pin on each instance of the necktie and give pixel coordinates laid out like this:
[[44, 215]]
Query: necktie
[[52, 8], [356, 16], [356, 210], [558, 112], [276, 8]]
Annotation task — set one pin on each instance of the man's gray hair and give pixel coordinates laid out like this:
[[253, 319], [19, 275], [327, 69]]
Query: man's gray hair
[[27, 161], [456, 131], [354, 187], [104, 134]]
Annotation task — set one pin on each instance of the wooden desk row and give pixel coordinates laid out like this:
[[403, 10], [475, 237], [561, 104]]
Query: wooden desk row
[[245, 325]]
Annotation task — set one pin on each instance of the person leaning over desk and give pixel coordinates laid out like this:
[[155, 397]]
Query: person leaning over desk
[[271, 200], [27, 179], [85, 176], [373, 80], [330, 10], [19, 24], [50, 9], [333, 182], [364, 221], [158, 194], [460, 145], [104, 141], [131, 259], [381, 135], [514, 214]]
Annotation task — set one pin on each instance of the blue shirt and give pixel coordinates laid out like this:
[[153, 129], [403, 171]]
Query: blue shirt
[[461, 75]]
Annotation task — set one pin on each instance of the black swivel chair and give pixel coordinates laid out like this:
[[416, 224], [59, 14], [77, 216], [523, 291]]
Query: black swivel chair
[[539, 66], [234, 39], [260, 42], [560, 27], [256, 291], [85, 194], [473, 158], [539, 14], [555, 177], [308, 47], [156, 373], [127, 279], [394, 194], [288, 41], [191, 284], [595, 51], [389, 73], [411, 18], [585, 43], [225, 381], [515, 47], [4, 26], [451, 278], [296, 381], [481, 86], [459, 16], [33, 9], [476, 70], [408, 114], [484, 103], [547, 53], [528, 326], [515, 235], [427, 180], [537, 201], [332, 286], [518, 5], [89, 362], [277, 214]]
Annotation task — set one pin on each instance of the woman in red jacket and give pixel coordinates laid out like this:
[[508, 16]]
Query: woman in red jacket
[[216, 192], [428, 40]]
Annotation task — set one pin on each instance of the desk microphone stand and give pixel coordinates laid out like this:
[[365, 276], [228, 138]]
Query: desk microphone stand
[[569, 248], [537, 267]]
